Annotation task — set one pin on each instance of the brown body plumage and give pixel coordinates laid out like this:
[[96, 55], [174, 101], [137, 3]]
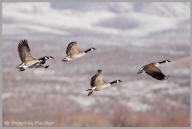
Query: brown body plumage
[[97, 83], [28, 61], [73, 52], [153, 70]]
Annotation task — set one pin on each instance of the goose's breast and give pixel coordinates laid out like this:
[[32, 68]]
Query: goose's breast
[[31, 62], [77, 55], [100, 87]]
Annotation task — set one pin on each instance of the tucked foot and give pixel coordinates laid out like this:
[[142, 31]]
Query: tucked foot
[[88, 89], [90, 93], [21, 69]]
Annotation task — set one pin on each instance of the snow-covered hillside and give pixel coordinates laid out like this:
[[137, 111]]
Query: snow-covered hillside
[[120, 22]]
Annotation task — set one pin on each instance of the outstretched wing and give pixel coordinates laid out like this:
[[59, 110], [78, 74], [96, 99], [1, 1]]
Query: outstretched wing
[[24, 51], [96, 79], [156, 73], [93, 79], [72, 49]]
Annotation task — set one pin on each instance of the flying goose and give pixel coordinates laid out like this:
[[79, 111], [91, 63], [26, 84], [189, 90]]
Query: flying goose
[[27, 60], [73, 52], [97, 82], [153, 70]]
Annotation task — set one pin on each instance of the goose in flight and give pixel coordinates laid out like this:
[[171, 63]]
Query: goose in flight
[[27, 60], [73, 52], [153, 70], [97, 83]]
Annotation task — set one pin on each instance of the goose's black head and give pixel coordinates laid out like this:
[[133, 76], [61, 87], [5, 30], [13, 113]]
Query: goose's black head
[[167, 61], [93, 48], [49, 57], [119, 81]]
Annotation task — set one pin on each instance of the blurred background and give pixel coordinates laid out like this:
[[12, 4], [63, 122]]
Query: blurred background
[[126, 36]]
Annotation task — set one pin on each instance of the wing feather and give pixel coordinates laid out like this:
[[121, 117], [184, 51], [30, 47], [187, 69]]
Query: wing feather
[[96, 80], [93, 80], [72, 49], [156, 73], [24, 51]]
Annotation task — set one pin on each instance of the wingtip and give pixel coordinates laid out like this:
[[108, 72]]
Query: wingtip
[[23, 41], [63, 60]]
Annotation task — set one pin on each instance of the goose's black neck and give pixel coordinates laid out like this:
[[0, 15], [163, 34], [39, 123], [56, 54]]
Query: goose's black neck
[[162, 62], [87, 50], [113, 82]]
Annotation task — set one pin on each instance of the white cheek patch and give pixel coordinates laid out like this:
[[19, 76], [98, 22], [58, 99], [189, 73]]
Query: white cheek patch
[[166, 61], [118, 81], [92, 49]]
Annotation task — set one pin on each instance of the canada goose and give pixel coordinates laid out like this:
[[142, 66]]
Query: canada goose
[[73, 52], [153, 70], [97, 82], [27, 60]]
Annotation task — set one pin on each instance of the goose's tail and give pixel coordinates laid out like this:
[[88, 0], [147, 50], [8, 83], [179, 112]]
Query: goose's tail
[[66, 59], [140, 70]]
